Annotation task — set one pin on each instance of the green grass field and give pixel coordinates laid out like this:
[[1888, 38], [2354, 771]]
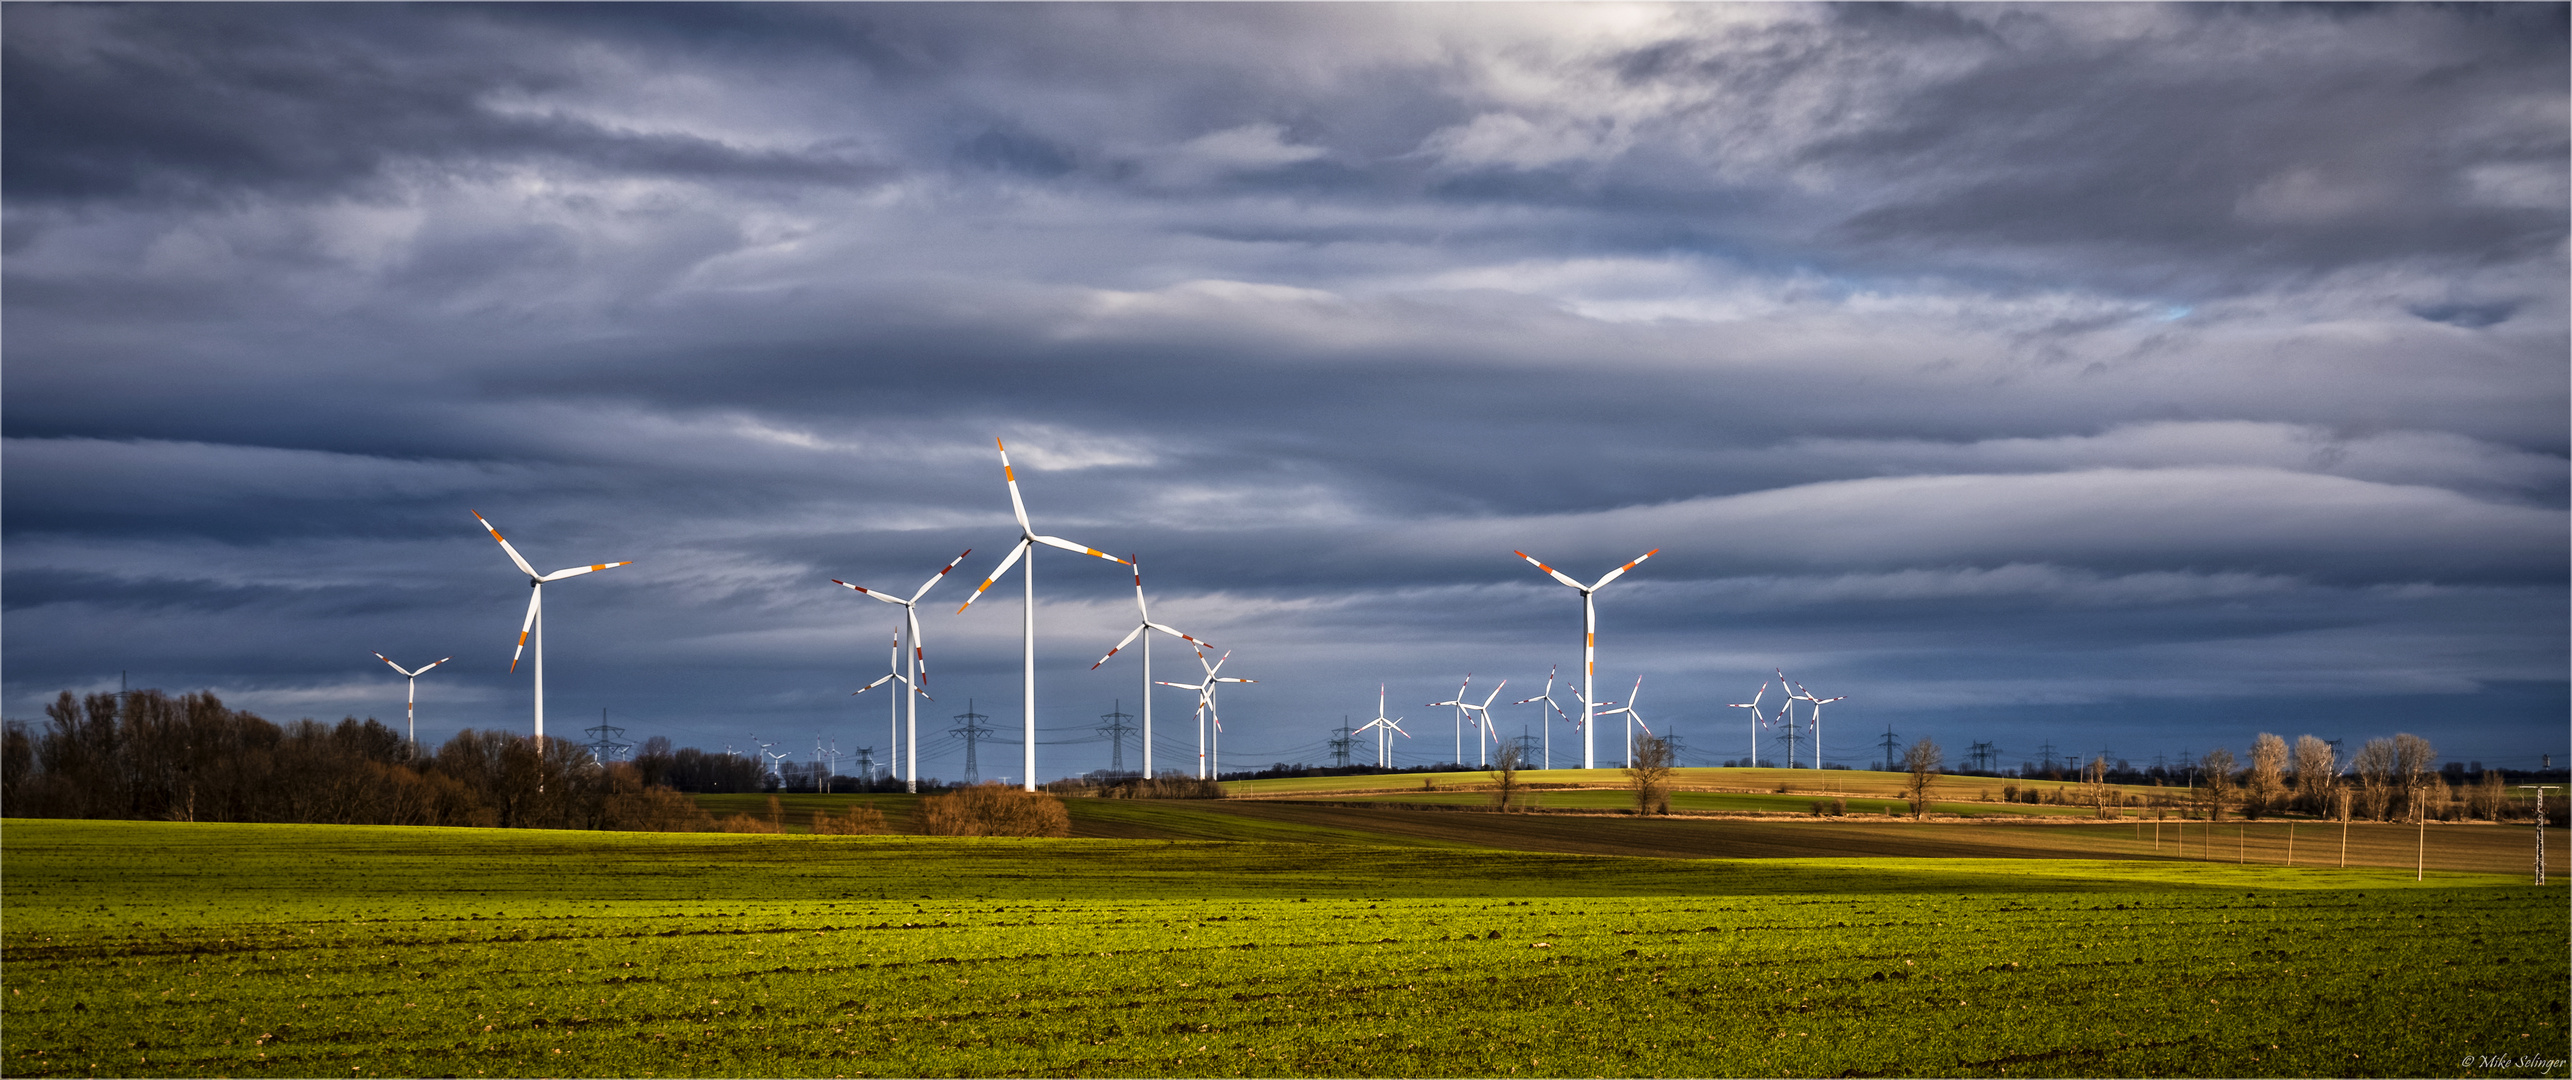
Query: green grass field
[[171, 949]]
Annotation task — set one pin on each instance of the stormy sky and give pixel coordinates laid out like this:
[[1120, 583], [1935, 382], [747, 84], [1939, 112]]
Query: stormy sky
[[2107, 377]]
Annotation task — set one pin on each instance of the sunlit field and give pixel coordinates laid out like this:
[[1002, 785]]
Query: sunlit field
[[171, 949]]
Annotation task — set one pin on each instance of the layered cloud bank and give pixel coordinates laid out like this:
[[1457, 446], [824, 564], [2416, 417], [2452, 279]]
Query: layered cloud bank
[[2140, 376]]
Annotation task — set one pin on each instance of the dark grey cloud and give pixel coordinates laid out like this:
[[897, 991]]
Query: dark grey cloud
[[2136, 371]]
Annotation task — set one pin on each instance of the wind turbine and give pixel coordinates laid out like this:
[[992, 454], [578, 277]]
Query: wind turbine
[[1461, 709], [1144, 628], [1027, 540], [1631, 718], [1757, 721], [411, 697], [1817, 703], [1482, 754], [1589, 639], [536, 615], [893, 710], [1206, 707], [919, 680], [1548, 698], [1380, 725]]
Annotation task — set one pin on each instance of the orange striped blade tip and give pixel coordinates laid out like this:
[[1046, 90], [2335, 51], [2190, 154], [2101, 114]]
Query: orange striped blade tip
[[977, 595], [860, 588], [486, 523], [1532, 559]]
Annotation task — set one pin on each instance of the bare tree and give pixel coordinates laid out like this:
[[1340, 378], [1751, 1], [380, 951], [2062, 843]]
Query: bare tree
[[2216, 770], [1923, 761], [1649, 775], [2413, 761], [2265, 786], [1504, 774], [2377, 774], [2095, 774], [2316, 772]]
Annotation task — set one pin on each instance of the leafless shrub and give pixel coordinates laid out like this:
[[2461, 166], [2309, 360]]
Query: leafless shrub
[[858, 820], [993, 810]]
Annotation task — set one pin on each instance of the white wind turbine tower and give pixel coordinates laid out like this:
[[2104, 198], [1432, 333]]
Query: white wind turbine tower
[[1461, 709], [1805, 695], [535, 623], [892, 705], [1206, 707], [1631, 719], [1380, 725], [1589, 640], [411, 698], [1548, 698], [1027, 540], [1755, 721], [919, 679], [1144, 628]]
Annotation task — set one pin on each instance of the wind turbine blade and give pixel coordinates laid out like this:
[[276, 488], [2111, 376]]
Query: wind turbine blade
[[864, 591], [1120, 646], [935, 578], [1016, 505], [388, 662], [1056, 541], [1558, 575], [1003, 568], [577, 571], [1174, 632], [1494, 695], [504, 543], [443, 659], [919, 653], [1612, 575], [1228, 678], [535, 600], [879, 681]]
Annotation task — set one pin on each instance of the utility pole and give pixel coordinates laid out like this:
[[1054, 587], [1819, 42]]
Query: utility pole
[[1115, 729], [2541, 789], [972, 731]]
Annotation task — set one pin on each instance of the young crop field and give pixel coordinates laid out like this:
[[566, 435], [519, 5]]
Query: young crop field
[[190, 949]]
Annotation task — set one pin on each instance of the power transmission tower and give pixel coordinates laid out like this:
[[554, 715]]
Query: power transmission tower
[[1890, 744], [1526, 745], [603, 744], [972, 731], [1787, 735], [1341, 740], [1678, 746], [2046, 756], [865, 756], [1115, 729]]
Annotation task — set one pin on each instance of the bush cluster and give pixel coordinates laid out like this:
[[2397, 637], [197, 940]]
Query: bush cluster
[[993, 810]]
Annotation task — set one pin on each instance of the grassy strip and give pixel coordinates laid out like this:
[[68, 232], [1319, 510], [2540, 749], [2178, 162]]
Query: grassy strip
[[165, 949]]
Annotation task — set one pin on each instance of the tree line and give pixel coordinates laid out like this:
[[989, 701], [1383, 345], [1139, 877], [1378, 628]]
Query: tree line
[[149, 755]]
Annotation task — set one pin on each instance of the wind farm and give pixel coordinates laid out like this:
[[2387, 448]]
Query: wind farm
[[2142, 428]]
